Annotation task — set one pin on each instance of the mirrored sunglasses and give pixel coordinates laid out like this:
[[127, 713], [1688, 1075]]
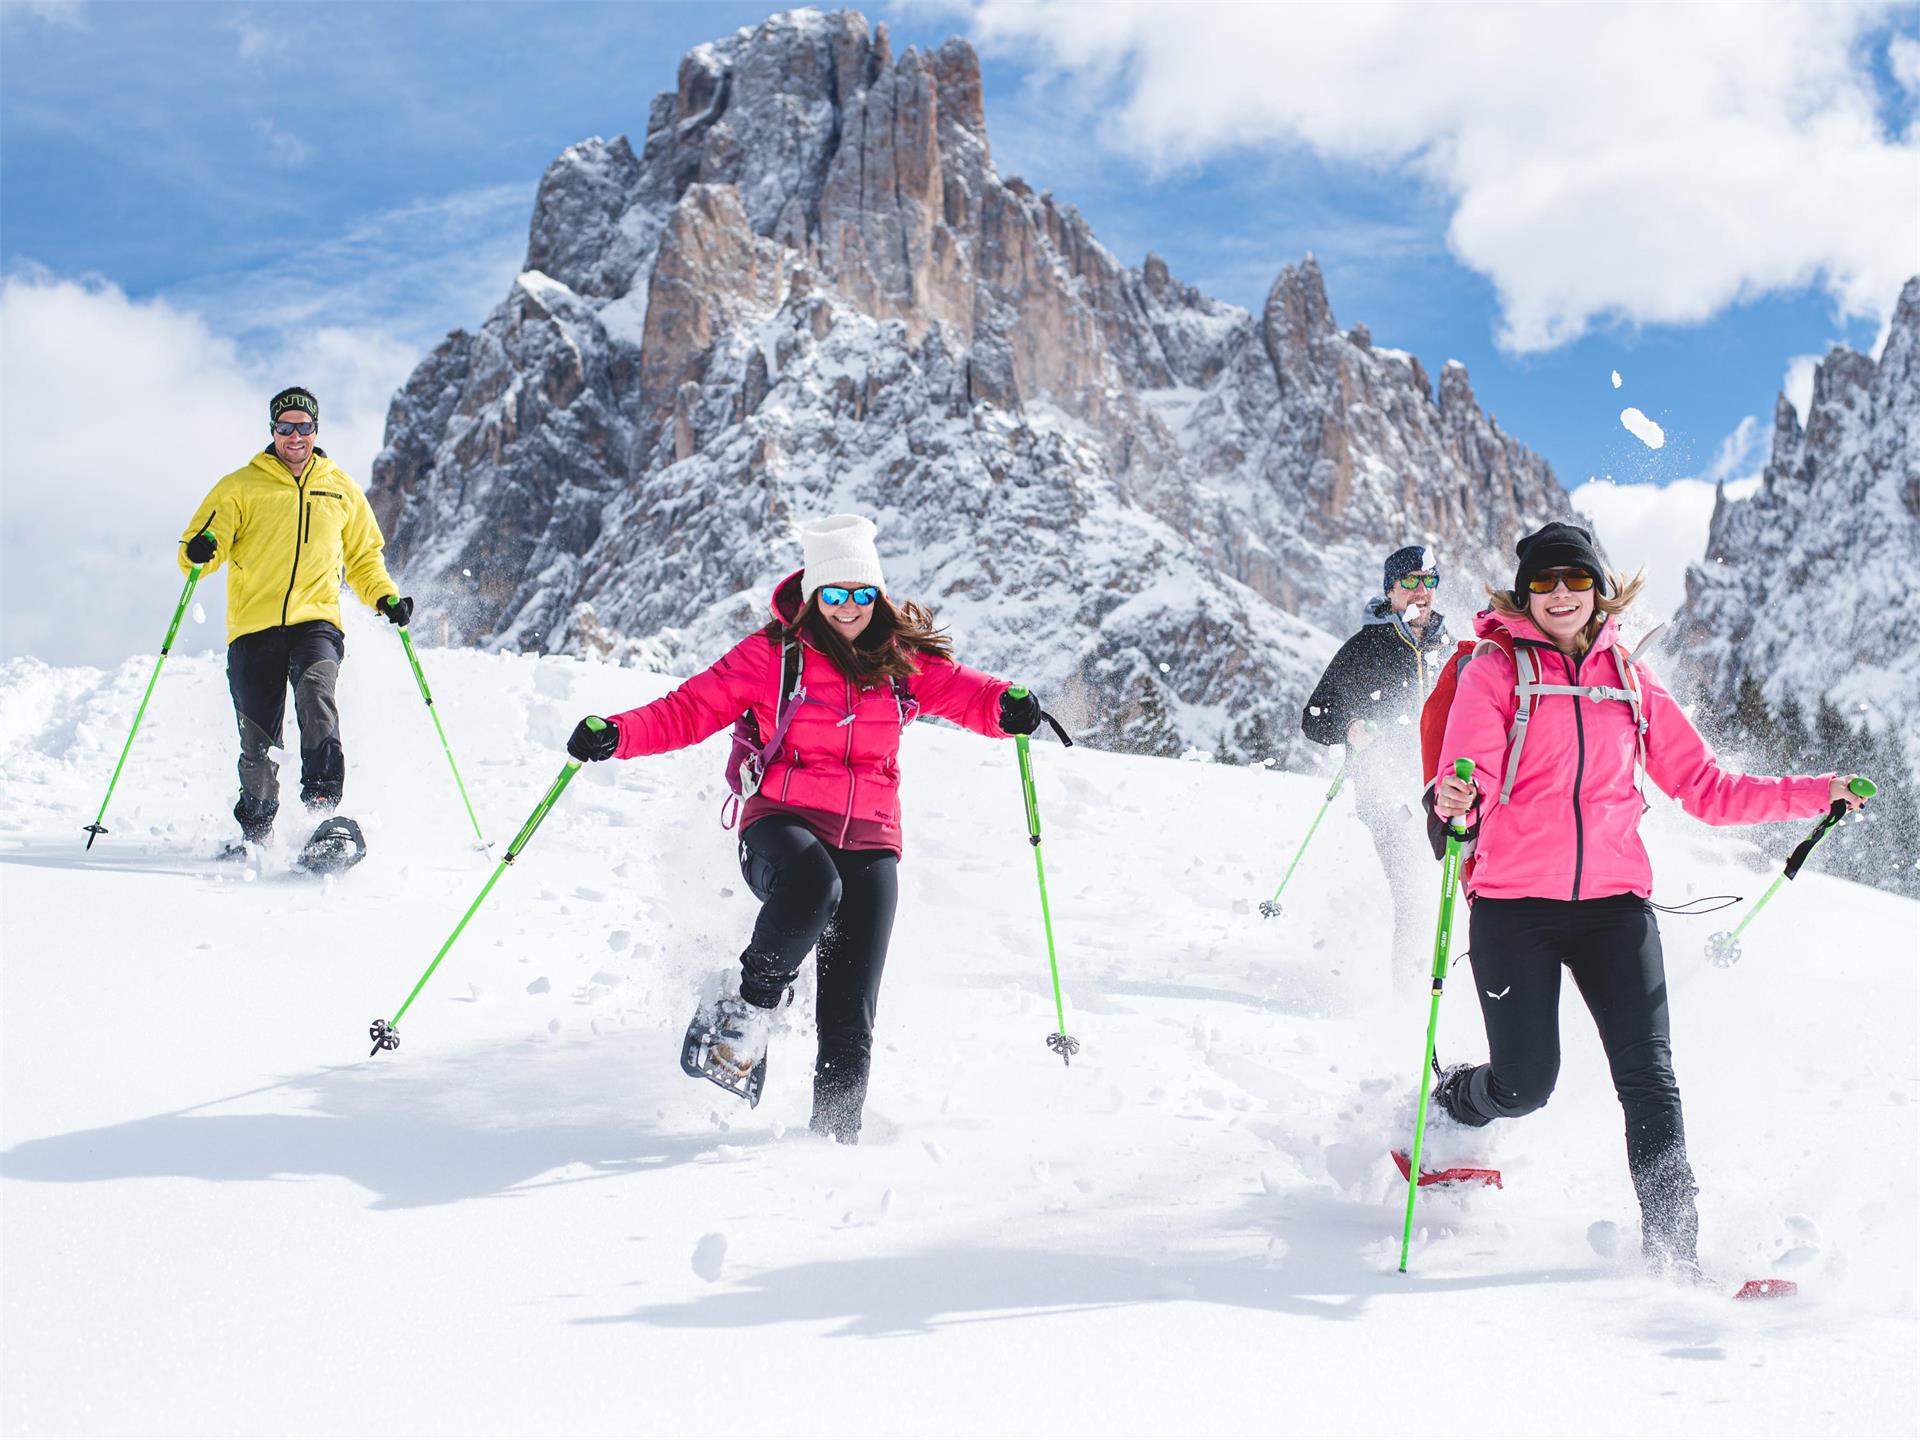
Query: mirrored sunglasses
[[294, 427], [1576, 580], [1414, 582], [840, 594]]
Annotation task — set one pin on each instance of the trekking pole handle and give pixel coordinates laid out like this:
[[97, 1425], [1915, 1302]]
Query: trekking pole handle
[[1863, 787], [1462, 770]]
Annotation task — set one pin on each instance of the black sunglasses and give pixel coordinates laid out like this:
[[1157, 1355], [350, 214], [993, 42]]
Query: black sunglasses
[[294, 427]]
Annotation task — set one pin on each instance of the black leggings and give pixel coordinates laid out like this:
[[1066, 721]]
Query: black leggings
[[840, 903], [1611, 947]]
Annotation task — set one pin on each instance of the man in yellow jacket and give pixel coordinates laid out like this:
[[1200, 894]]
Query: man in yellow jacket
[[288, 525]]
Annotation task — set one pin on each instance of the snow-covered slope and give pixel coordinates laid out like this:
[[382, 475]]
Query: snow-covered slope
[[809, 290], [221, 1217]]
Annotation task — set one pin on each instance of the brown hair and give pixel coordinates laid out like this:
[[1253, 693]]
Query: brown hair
[[1512, 605], [889, 648]]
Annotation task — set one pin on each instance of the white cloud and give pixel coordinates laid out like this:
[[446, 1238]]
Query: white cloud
[[252, 40], [1903, 59], [117, 415], [1797, 384], [1647, 163], [68, 14], [284, 148], [1738, 453], [1663, 528], [1660, 527]]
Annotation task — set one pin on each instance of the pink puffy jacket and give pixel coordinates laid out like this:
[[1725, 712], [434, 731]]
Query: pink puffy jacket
[[1571, 830], [841, 756]]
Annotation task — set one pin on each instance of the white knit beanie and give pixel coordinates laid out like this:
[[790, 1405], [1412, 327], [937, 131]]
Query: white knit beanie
[[839, 550]]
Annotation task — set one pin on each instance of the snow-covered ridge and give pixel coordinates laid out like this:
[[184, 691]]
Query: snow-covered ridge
[[1805, 586], [525, 1217], [809, 290]]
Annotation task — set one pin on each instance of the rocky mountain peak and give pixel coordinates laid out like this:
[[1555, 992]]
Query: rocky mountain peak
[[1785, 599], [807, 289]]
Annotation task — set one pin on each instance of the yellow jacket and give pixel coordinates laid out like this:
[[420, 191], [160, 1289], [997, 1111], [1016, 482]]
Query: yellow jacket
[[288, 541]]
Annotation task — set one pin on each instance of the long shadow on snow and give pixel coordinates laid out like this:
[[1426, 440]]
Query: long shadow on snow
[[414, 1135], [139, 862], [1333, 1272]]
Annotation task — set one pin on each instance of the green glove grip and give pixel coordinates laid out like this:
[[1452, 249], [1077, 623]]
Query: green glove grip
[[1863, 787]]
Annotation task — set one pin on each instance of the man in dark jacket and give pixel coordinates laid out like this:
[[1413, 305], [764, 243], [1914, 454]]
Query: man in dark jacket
[[1369, 700]]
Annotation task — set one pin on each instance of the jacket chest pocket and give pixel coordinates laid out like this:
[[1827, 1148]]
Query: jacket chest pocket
[[322, 518]]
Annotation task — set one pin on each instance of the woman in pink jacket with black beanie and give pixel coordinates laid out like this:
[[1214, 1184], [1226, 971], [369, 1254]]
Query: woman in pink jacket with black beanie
[[831, 683], [1560, 876]]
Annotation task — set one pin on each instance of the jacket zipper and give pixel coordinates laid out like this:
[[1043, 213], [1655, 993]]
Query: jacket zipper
[[1579, 772], [846, 821], [299, 501]]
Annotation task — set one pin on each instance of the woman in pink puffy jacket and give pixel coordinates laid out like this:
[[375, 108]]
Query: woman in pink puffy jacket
[[820, 837], [1560, 876]]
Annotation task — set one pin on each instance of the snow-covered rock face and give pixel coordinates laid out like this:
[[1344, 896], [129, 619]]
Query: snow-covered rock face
[[1807, 586], [810, 291]]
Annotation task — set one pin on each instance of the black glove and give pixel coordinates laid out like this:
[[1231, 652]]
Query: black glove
[[1021, 716], [200, 548], [397, 608], [587, 743]]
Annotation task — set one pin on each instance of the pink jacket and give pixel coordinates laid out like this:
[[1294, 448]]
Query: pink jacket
[[841, 756], [1571, 830]]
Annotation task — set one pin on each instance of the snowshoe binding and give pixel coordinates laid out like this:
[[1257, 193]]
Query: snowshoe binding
[[727, 1044], [335, 845]]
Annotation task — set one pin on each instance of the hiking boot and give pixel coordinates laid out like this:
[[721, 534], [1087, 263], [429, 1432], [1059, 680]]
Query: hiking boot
[[1449, 1093]]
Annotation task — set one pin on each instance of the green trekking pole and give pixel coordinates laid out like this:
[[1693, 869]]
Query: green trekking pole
[[1442, 949], [1723, 948], [96, 829], [420, 679], [385, 1035], [1061, 1043], [1271, 908]]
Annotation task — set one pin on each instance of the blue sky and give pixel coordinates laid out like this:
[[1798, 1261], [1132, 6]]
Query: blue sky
[[256, 172]]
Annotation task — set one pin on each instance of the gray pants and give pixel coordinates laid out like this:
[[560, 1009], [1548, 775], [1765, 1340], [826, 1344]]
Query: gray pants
[[260, 668], [1412, 879]]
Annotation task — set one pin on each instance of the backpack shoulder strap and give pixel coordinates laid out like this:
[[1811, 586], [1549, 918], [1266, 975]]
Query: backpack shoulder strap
[[1630, 682], [1526, 685], [793, 691]]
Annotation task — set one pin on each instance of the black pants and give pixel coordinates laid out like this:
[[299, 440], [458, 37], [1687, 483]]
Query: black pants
[[839, 903], [1611, 947], [260, 667]]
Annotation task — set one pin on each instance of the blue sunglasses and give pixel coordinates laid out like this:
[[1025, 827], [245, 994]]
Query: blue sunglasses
[[840, 594]]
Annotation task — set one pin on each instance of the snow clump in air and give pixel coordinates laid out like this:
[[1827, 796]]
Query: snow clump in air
[[1616, 379], [1643, 429]]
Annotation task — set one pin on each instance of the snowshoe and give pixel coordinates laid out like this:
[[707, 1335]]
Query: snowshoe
[[235, 852], [335, 845], [727, 1044], [1767, 1290], [1453, 1175]]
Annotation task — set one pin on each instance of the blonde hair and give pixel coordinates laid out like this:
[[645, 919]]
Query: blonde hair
[[1511, 605]]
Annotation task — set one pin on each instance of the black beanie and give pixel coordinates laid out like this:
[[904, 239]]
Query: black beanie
[[1559, 545], [294, 397], [1409, 560]]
